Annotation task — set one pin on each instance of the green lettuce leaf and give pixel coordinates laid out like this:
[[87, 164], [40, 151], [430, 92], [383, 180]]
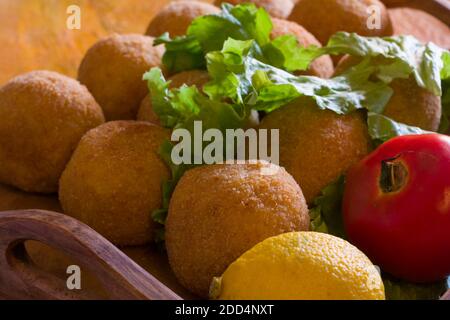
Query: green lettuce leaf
[[182, 53], [382, 128], [242, 22], [238, 76], [397, 57], [326, 214]]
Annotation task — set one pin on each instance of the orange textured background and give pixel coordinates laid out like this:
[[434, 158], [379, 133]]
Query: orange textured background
[[33, 33]]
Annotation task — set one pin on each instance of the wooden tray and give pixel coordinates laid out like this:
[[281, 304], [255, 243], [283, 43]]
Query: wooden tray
[[136, 273]]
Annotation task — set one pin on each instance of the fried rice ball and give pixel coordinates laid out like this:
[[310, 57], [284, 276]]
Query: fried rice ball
[[192, 77], [276, 8], [317, 146], [410, 104], [420, 24], [43, 116], [323, 18], [113, 181], [176, 17], [321, 67], [112, 71], [218, 212]]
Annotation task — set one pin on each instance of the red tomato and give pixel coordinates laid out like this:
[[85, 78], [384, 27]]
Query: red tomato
[[397, 207]]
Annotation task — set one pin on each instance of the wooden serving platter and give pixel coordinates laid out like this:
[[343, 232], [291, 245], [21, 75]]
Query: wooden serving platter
[[126, 273]]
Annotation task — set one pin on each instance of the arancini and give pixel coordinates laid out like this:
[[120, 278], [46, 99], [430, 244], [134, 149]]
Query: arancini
[[410, 104], [218, 212], [317, 146], [112, 70], [420, 24], [43, 116], [176, 17], [276, 8], [323, 18], [113, 181]]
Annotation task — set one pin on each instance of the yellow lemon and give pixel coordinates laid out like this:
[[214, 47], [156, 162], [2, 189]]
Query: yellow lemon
[[300, 265]]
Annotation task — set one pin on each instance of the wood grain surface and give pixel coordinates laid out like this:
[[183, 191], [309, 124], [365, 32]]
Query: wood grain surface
[[34, 35], [20, 279]]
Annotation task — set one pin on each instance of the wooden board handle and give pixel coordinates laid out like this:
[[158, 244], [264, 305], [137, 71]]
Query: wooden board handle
[[21, 279]]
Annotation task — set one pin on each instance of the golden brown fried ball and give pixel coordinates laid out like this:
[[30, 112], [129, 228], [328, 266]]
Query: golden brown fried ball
[[317, 146], [410, 104], [176, 17], [112, 70], [321, 67], [43, 116], [423, 26], [276, 8], [218, 212], [113, 181], [323, 18], [192, 77]]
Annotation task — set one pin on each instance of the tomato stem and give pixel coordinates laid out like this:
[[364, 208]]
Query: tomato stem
[[393, 175]]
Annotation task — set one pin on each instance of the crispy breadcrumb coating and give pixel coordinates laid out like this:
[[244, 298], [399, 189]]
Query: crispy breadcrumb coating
[[43, 116], [218, 212], [176, 17], [317, 146], [113, 181], [112, 70]]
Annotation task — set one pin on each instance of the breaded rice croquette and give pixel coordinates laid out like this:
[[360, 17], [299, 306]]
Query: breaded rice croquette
[[410, 104], [218, 212], [112, 71], [43, 116], [176, 17], [321, 67], [190, 78], [276, 8], [317, 146], [113, 181], [323, 18], [420, 24]]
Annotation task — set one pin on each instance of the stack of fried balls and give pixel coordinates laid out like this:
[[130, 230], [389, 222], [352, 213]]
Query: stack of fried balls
[[95, 141]]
